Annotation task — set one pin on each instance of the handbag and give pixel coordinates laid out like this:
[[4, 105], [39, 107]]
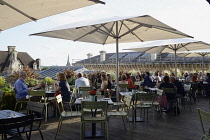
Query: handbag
[[162, 100]]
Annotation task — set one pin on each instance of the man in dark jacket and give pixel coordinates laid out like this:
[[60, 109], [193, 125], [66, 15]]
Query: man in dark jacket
[[179, 86]]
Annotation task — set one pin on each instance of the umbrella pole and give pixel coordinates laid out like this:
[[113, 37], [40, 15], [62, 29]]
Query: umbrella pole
[[117, 61], [203, 64], [175, 64]]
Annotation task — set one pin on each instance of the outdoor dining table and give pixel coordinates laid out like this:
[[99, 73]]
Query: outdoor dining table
[[5, 114], [94, 132]]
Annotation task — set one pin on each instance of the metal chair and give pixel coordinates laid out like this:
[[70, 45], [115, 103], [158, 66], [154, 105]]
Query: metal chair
[[123, 88], [204, 119], [124, 112], [34, 107], [63, 113], [144, 101], [186, 98], [171, 97], [43, 95], [103, 118], [18, 124], [84, 91], [37, 109], [19, 102]]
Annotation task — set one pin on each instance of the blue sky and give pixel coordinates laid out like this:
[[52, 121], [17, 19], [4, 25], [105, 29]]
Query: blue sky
[[189, 16]]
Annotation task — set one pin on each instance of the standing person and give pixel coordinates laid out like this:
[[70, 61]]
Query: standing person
[[130, 82], [104, 84], [81, 82], [21, 89], [63, 87]]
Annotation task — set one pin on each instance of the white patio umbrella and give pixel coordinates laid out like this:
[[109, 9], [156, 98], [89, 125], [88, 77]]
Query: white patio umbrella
[[201, 53], [16, 12], [113, 30], [171, 46]]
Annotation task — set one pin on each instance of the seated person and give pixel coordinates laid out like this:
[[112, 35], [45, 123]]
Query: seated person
[[123, 81], [208, 85], [167, 84], [147, 81], [130, 82], [21, 89], [63, 87], [179, 86], [81, 82]]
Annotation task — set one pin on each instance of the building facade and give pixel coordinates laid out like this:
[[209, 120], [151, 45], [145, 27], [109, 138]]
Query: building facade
[[12, 60], [144, 62]]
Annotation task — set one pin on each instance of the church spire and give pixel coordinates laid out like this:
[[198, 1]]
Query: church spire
[[68, 63]]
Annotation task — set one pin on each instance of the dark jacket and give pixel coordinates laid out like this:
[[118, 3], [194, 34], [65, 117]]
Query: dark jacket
[[147, 81], [180, 88]]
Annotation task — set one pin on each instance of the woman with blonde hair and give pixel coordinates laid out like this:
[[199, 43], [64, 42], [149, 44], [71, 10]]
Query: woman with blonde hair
[[63, 87]]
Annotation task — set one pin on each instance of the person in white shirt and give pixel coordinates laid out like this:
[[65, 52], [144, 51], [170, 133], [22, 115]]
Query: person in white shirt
[[81, 82]]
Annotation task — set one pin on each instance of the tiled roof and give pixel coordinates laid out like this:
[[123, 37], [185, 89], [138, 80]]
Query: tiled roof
[[23, 57], [53, 70]]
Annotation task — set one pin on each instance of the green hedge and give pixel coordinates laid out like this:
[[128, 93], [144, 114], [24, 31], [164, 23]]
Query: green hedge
[[9, 101]]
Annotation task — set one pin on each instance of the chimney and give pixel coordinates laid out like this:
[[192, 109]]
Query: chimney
[[153, 57], [38, 61], [89, 55], [11, 49], [102, 56]]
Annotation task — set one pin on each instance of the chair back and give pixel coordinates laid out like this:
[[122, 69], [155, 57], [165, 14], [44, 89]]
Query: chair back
[[204, 119], [123, 87], [144, 97], [127, 100], [18, 124], [98, 94], [137, 83], [187, 87], [35, 107], [85, 91], [59, 103], [159, 91], [37, 94], [94, 106], [170, 90]]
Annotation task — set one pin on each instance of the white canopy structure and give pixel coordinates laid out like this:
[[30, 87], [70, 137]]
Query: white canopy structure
[[16, 12], [201, 53], [171, 46], [115, 30]]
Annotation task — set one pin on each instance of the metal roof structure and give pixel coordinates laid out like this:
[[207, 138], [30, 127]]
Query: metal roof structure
[[141, 57]]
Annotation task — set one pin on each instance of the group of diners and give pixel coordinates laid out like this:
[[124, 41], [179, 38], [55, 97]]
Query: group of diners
[[104, 83]]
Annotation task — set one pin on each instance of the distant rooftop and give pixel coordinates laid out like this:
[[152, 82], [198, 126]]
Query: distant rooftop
[[53, 70], [141, 57]]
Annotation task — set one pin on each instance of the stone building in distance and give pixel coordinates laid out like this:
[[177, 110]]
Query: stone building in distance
[[12, 60]]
